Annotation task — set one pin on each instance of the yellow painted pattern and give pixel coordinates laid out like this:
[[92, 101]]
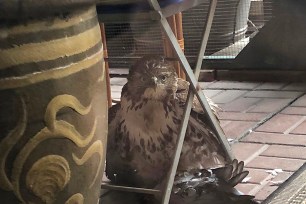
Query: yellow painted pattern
[[7, 144], [60, 102], [56, 73], [77, 198], [50, 50], [62, 130], [48, 176], [52, 24], [95, 148]]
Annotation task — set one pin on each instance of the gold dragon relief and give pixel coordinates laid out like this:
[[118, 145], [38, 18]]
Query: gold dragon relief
[[50, 174]]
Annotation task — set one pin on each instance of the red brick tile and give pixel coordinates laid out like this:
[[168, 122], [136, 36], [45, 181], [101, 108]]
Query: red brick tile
[[270, 105], [116, 88], [246, 187], [271, 86], [273, 94], [116, 95], [280, 178], [223, 123], [294, 111], [295, 87], [205, 85], [104, 178], [301, 129], [300, 102], [118, 81], [241, 116], [212, 93], [228, 96], [257, 176], [233, 85], [272, 185], [285, 164], [240, 104], [119, 71], [279, 123], [286, 151], [265, 192], [243, 151], [273, 138], [235, 128]]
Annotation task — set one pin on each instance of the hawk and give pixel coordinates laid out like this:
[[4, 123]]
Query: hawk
[[144, 126]]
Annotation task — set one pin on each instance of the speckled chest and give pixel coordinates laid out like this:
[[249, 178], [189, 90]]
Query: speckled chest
[[149, 128]]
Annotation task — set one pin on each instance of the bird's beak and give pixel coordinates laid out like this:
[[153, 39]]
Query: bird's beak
[[154, 80]]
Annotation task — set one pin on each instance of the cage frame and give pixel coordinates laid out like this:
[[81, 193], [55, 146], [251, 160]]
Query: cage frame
[[157, 15]]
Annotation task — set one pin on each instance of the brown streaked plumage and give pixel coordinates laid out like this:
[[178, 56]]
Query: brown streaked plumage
[[143, 127]]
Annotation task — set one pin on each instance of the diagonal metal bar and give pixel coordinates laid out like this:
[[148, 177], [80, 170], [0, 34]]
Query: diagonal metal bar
[[178, 149], [130, 189], [193, 80], [206, 32]]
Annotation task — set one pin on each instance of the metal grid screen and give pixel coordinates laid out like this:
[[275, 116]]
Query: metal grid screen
[[126, 42], [235, 23]]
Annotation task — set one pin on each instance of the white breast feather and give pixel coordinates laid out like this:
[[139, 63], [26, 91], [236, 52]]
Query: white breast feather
[[147, 122]]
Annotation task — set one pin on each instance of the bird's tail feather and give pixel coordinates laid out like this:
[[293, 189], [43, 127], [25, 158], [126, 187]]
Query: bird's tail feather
[[232, 173]]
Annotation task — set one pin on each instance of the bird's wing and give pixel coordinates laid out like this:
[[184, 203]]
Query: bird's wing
[[201, 140], [117, 169], [232, 173], [202, 147], [197, 110], [199, 186], [113, 115], [112, 111], [182, 93]]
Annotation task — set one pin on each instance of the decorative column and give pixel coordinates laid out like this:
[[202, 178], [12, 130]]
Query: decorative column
[[53, 108]]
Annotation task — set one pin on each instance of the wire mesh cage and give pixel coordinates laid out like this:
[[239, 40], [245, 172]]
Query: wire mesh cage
[[235, 23], [229, 26], [128, 41]]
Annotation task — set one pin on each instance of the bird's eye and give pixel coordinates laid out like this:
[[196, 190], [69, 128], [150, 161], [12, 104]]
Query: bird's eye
[[163, 77], [142, 79]]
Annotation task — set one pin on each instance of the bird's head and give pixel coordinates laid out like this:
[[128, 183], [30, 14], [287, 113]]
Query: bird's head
[[152, 78]]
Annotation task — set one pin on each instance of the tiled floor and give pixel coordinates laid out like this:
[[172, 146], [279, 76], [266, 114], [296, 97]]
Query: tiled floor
[[266, 123]]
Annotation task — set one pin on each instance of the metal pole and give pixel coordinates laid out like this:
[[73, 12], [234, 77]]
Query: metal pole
[[130, 189], [193, 79]]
